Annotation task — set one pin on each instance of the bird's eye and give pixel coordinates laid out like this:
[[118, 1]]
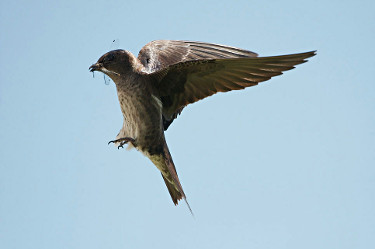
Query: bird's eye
[[108, 58]]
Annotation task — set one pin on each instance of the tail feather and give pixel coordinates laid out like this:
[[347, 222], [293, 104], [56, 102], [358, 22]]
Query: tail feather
[[164, 163], [175, 190], [175, 194]]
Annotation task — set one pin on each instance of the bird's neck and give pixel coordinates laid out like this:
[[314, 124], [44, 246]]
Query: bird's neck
[[131, 83]]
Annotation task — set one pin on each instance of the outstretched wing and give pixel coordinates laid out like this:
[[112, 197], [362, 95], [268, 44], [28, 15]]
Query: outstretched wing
[[160, 54], [187, 82]]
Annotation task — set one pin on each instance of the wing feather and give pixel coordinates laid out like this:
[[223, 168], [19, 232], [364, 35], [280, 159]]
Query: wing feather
[[187, 82], [187, 71], [161, 54]]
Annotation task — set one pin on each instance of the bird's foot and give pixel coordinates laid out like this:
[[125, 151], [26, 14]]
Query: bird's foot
[[123, 141]]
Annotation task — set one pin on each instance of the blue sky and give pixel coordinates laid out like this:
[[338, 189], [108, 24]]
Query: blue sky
[[286, 164]]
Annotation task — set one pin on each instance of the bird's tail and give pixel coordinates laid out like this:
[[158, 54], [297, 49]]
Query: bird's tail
[[168, 171], [173, 191]]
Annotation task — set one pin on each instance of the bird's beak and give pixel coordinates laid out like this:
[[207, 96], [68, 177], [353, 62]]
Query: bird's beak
[[95, 67]]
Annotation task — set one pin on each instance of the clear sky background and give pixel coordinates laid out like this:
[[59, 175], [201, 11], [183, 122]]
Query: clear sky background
[[286, 164]]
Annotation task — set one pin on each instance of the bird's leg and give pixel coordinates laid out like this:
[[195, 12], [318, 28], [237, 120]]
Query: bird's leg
[[123, 141]]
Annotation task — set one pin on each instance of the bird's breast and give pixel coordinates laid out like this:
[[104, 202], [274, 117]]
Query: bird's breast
[[142, 113]]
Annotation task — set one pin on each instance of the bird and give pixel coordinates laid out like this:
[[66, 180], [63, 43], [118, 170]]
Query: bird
[[168, 75]]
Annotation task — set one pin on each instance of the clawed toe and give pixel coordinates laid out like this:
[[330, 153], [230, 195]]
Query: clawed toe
[[122, 141]]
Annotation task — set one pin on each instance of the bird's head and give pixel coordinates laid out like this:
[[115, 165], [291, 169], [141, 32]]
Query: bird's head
[[115, 63]]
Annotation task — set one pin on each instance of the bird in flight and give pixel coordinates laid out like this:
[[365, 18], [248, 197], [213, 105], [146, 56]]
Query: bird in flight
[[167, 75]]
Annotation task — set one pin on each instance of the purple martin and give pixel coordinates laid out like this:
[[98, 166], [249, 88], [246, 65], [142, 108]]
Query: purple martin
[[167, 75]]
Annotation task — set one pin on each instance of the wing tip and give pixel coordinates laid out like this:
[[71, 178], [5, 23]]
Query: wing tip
[[310, 53]]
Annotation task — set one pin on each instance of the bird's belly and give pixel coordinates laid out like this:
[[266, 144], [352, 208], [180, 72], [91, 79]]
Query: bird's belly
[[142, 120]]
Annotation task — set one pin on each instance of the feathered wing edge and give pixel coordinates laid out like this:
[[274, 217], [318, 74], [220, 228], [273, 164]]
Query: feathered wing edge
[[188, 82], [160, 54]]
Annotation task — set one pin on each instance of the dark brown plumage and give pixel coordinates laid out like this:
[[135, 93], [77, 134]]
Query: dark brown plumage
[[168, 75]]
